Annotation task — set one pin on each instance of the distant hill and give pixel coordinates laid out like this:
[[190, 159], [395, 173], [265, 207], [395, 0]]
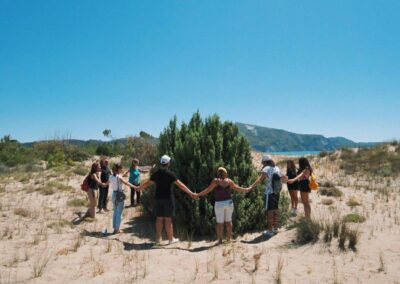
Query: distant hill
[[276, 140]]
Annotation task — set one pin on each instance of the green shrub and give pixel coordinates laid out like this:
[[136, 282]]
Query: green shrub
[[197, 150], [335, 192], [77, 202], [12, 153], [307, 231], [80, 170], [353, 218], [142, 148]]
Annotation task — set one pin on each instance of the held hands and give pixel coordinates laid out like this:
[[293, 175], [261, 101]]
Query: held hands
[[194, 195]]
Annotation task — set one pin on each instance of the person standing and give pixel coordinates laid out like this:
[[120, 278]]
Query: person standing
[[164, 205], [222, 187], [94, 183], [134, 178], [116, 181], [293, 188], [303, 177], [271, 197], [103, 191]]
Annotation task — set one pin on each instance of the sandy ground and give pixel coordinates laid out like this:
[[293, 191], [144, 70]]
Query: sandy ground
[[39, 245]]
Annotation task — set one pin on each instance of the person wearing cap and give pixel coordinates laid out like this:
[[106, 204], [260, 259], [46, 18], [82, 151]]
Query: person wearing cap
[[222, 187], [164, 205], [271, 198]]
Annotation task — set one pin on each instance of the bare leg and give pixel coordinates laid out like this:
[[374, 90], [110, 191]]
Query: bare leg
[[306, 203], [220, 231], [169, 227], [159, 227], [228, 230], [294, 198]]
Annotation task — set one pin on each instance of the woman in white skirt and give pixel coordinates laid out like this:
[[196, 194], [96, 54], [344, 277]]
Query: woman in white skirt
[[222, 187]]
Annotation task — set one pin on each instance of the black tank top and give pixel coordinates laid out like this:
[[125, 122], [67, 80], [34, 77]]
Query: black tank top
[[222, 193], [291, 175]]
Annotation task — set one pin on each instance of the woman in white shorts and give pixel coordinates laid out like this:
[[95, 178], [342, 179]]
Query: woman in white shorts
[[222, 187]]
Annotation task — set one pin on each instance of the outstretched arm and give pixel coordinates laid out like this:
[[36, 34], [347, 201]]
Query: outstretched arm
[[184, 188], [259, 180], [128, 183], [239, 188], [145, 185], [208, 189]]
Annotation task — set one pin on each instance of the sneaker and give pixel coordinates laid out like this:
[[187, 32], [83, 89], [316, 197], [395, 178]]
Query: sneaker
[[275, 231], [158, 242], [293, 212], [268, 233], [173, 241]]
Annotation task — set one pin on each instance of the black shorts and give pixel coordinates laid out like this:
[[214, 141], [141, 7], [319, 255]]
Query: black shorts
[[304, 186], [164, 208], [271, 201]]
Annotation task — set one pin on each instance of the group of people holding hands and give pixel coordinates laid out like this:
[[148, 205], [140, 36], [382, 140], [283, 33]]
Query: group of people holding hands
[[221, 186]]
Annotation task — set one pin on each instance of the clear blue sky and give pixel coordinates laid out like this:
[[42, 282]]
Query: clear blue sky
[[78, 67]]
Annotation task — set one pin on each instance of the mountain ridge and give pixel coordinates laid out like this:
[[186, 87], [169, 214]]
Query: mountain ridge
[[266, 139]]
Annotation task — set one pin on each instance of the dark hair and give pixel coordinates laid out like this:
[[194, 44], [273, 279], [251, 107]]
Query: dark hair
[[304, 164], [269, 163], [134, 162], [116, 168], [291, 167], [93, 169]]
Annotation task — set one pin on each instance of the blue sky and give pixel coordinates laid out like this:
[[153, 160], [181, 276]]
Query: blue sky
[[78, 67]]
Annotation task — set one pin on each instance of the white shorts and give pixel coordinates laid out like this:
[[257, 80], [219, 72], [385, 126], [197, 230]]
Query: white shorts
[[223, 211]]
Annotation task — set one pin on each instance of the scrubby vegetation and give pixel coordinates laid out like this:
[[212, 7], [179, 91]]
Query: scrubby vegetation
[[381, 160], [353, 218], [197, 149]]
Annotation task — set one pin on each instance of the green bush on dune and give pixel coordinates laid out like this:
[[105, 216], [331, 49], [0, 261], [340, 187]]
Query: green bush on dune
[[197, 149]]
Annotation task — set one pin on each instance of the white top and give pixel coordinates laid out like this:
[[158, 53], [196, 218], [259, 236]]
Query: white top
[[116, 183], [270, 172]]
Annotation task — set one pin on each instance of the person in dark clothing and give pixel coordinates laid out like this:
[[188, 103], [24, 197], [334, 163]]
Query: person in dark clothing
[[303, 177], [103, 191], [293, 188], [164, 205], [94, 183], [222, 187]]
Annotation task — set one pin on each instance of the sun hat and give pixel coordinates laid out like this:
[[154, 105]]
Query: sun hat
[[165, 159], [222, 169], [266, 158]]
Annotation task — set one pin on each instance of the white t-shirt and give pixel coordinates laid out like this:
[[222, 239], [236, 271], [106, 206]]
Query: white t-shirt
[[116, 183], [270, 171]]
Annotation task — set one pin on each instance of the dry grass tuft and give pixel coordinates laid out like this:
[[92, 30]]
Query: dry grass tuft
[[77, 202], [21, 212]]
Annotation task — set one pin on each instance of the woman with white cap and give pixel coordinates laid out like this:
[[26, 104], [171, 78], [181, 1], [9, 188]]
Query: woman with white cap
[[164, 205], [223, 208], [268, 171]]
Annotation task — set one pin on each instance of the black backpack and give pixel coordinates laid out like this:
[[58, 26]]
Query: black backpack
[[276, 183]]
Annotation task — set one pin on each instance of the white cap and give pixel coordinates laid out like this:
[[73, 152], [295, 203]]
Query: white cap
[[165, 160], [266, 158]]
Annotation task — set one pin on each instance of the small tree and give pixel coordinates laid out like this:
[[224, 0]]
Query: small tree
[[197, 150]]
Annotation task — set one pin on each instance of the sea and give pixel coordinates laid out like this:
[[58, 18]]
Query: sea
[[296, 153]]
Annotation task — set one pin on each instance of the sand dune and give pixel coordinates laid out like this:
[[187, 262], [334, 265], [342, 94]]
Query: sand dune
[[38, 244]]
